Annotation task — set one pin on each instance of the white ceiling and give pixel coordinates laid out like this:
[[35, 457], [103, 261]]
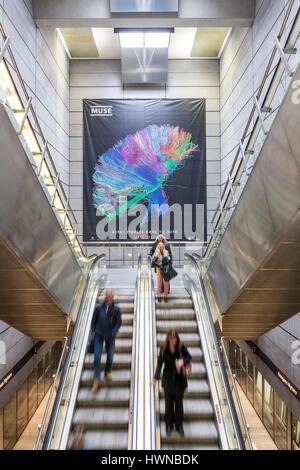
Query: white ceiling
[[182, 42]]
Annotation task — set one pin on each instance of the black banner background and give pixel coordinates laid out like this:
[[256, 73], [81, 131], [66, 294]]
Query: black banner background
[[185, 186]]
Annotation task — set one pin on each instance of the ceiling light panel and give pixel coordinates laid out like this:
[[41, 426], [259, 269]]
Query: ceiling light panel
[[131, 40], [157, 40]]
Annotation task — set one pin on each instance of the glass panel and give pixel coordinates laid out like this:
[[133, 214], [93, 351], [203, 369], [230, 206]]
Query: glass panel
[[22, 411], [296, 433], [41, 388], [244, 371], [269, 408], [238, 364], [9, 423], [232, 356], [32, 393], [47, 373], [250, 382], [280, 423], [258, 393]]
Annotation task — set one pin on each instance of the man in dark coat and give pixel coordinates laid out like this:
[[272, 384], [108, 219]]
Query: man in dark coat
[[106, 323]]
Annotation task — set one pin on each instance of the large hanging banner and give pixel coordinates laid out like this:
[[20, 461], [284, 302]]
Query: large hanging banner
[[144, 169]]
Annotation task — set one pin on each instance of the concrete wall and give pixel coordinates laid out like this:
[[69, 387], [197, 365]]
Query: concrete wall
[[242, 67], [44, 66], [96, 79]]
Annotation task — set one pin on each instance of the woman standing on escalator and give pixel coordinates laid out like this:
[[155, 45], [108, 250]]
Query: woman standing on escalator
[[177, 365]]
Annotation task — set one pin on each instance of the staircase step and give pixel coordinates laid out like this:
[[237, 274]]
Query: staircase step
[[118, 397], [184, 446], [101, 418], [193, 409], [189, 339], [197, 432], [180, 326], [197, 388], [105, 439], [174, 303], [175, 315], [88, 375], [125, 332], [119, 358]]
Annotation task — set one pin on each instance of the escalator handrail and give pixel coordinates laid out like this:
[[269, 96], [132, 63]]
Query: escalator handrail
[[134, 371], [69, 355], [233, 378], [155, 413], [230, 402]]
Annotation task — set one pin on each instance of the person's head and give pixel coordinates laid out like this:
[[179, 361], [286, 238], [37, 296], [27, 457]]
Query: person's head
[[172, 340], [161, 238], [109, 297]]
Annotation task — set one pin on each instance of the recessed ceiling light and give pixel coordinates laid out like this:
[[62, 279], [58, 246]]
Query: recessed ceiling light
[[131, 39], [157, 39], [144, 38]]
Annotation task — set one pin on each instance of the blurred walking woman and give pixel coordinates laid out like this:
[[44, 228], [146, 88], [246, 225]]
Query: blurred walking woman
[[161, 258], [177, 363]]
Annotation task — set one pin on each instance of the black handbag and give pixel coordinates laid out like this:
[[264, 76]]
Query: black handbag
[[168, 272], [91, 346]]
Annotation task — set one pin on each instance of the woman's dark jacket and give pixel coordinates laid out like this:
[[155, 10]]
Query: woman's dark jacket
[[171, 378]]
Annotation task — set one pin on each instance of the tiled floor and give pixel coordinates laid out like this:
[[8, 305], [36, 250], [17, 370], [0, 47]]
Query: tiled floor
[[28, 438], [260, 436]]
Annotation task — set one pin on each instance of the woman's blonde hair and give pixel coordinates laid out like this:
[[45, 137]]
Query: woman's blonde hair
[[160, 250]]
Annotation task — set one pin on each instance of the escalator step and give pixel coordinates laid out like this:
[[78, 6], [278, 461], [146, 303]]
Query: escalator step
[[193, 409], [124, 374], [105, 439], [196, 432], [118, 397]]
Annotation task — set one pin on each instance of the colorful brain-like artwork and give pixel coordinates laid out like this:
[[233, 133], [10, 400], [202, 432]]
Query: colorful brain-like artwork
[[137, 169]]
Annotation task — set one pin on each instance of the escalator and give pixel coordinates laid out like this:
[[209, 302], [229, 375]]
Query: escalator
[[199, 421], [104, 414], [211, 420]]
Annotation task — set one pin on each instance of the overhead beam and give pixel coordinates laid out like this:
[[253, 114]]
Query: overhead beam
[[96, 13]]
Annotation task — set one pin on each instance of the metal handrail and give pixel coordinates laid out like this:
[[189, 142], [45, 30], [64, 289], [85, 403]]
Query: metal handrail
[[37, 130], [237, 396], [70, 352], [229, 398], [132, 429], [49, 401], [155, 425], [246, 134]]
